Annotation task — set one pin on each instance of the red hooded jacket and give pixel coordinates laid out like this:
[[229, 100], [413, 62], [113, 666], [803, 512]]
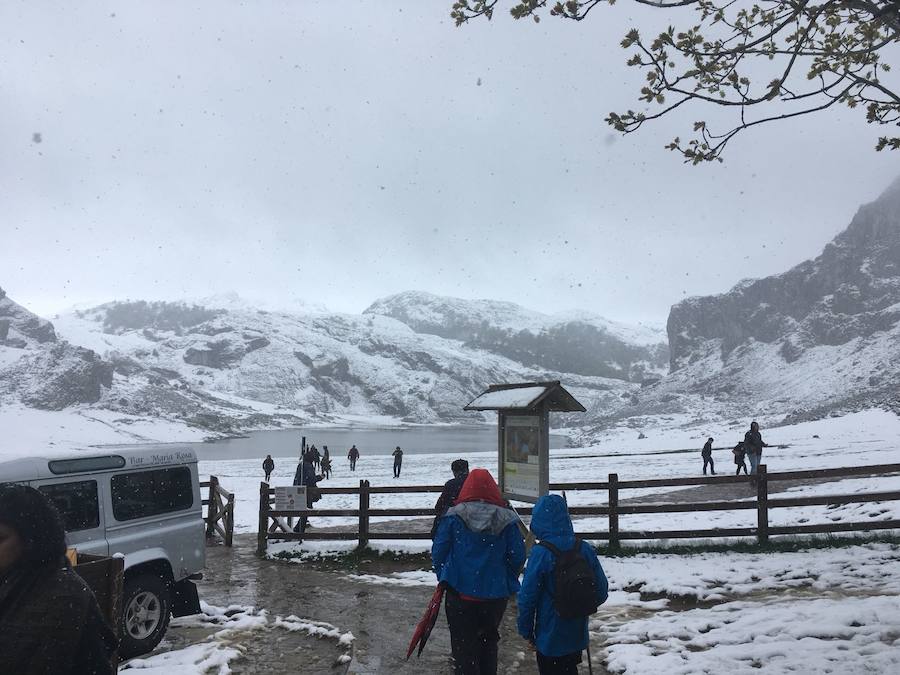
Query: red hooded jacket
[[480, 486]]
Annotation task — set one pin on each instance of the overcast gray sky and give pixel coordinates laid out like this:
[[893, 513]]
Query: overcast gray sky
[[343, 151]]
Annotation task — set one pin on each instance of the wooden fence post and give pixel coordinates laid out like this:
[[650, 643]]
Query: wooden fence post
[[363, 513], [229, 521], [262, 535], [212, 509], [762, 505], [613, 503]]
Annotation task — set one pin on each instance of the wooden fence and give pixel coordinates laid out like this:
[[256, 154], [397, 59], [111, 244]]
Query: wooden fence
[[220, 511], [272, 525]]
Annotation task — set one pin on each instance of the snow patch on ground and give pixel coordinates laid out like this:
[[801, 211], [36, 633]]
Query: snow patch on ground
[[236, 623], [717, 576], [408, 579], [780, 635]]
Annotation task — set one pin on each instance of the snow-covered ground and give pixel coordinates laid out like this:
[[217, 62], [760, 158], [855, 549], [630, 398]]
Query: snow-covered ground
[[857, 439], [29, 431], [810, 611]]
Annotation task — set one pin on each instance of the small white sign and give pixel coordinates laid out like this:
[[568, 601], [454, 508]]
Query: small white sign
[[290, 498]]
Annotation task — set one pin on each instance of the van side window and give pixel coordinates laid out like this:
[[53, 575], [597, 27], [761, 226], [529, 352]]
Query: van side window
[[149, 493], [77, 503]]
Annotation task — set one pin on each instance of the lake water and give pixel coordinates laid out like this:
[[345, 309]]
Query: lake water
[[369, 441]]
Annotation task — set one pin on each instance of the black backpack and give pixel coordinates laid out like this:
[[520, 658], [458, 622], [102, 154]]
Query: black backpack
[[576, 585]]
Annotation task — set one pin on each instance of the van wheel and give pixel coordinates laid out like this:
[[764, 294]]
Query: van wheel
[[146, 606]]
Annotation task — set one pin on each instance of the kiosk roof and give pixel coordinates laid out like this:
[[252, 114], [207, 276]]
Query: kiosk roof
[[526, 396]]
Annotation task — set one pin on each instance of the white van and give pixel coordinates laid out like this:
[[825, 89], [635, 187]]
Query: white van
[[145, 504]]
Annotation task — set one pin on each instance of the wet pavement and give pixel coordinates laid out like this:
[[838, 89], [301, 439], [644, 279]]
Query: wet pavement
[[381, 617]]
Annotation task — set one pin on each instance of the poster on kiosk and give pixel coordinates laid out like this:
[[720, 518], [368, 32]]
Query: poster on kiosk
[[522, 456]]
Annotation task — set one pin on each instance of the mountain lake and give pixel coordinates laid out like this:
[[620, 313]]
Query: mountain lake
[[369, 440]]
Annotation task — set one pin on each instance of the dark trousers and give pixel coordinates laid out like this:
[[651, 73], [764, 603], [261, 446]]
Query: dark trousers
[[708, 461], [474, 634], [739, 467], [558, 665], [397, 466], [267, 477], [301, 522], [353, 465]]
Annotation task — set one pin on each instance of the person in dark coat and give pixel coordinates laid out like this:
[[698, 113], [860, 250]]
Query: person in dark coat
[[50, 622], [353, 455], [557, 641], [753, 445], [398, 461], [706, 453], [268, 466], [308, 477], [478, 552], [460, 469], [739, 455], [316, 457]]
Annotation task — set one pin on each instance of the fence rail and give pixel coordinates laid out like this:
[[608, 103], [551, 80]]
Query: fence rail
[[220, 511], [272, 526]]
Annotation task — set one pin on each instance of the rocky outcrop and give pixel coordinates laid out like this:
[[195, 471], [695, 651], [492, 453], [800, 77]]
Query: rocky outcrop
[[61, 376], [582, 344], [19, 327], [851, 291]]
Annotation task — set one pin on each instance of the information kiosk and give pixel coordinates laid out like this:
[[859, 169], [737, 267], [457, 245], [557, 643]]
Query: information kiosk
[[523, 440]]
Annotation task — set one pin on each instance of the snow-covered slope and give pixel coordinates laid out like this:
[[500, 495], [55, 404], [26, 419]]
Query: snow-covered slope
[[574, 342], [823, 336], [313, 364], [39, 370]]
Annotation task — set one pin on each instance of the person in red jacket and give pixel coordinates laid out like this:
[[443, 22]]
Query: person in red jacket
[[478, 553]]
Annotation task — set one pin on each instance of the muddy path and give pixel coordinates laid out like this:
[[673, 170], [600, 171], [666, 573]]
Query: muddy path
[[380, 616]]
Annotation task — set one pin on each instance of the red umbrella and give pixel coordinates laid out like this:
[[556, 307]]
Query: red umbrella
[[423, 628]]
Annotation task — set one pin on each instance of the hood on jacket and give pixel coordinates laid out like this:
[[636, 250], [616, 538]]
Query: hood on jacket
[[550, 521], [480, 486], [483, 517]]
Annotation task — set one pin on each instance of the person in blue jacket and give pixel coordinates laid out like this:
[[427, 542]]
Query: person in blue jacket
[[478, 552], [557, 641]]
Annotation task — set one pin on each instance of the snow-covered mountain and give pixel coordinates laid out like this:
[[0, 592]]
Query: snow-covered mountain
[[40, 369], [823, 336], [573, 342], [315, 365]]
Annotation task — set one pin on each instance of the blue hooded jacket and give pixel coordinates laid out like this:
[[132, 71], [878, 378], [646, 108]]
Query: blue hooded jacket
[[478, 550], [538, 620]]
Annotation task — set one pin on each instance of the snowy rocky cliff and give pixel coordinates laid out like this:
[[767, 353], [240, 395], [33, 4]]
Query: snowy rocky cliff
[[20, 328], [824, 334], [317, 365], [39, 369], [574, 343], [42, 370]]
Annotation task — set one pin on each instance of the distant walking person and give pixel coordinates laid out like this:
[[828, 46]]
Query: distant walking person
[[353, 455], [326, 467], [739, 455], [398, 461], [706, 453], [308, 478], [460, 469], [316, 457], [268, 466], [753, 445]]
